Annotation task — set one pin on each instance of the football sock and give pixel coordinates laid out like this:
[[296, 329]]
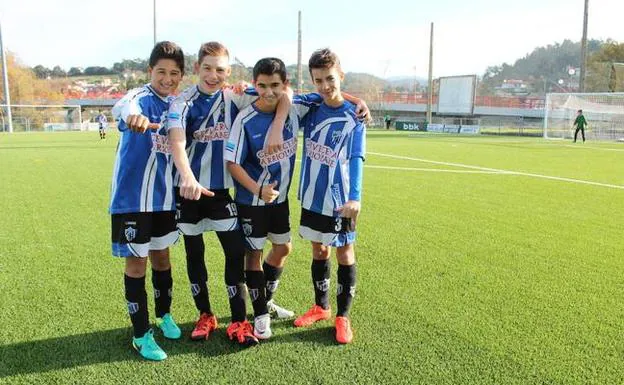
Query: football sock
[[163, 283], [320, 279], [136, 300], [233, 248], [271, 275], [346, 289], [197, 273], [255, 284]]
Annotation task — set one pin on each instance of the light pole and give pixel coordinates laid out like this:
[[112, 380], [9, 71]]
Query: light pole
[[5, 80], [154, 22], [583, 49]]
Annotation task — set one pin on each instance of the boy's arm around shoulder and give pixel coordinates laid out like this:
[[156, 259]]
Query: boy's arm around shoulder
[[275, 140], [361, 108]]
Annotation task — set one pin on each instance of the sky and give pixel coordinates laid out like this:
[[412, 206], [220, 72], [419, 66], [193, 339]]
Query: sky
[[384, 38]]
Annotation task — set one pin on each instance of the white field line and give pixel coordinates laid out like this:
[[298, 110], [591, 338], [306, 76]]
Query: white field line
[[432, 170], [595, 148], [499, 171]]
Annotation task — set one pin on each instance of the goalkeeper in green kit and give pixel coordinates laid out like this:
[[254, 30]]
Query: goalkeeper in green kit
[[580, 123]]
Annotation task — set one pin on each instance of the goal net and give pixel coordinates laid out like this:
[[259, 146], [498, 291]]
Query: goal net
[[31, 117], [604, 113]]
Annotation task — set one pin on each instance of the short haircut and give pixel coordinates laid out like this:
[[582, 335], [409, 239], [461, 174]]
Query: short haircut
[[324, 58], [270, 66], [581, 111], [212, 48], [167, 50]]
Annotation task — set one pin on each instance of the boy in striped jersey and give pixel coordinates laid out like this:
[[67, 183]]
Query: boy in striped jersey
[[199, 120], [330, 191], [262, 182], [142, 204]]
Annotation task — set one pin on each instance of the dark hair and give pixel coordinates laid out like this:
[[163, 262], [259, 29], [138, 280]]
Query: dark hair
[[324, 58], [212, 48], [270, 66], [167, 50], [581, 111]]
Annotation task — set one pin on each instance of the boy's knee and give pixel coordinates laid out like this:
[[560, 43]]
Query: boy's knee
[[320, 251], [282, 251], [345, 255], [253, 260], [135, 267], [160, 259]]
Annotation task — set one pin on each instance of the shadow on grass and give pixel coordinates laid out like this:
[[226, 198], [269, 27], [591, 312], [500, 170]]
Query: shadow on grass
[[102, 347], [284, 332], [115, 346]]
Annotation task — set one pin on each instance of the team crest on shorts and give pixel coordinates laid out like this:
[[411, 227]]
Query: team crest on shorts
[[130, 233], [247, 229]]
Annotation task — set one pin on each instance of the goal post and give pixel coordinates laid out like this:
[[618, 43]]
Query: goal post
[[43, 117], [604, 112]]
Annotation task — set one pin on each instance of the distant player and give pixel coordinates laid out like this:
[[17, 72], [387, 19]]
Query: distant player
[[330, 191], [142, 198], [262, 181], [199, 123], [102, 124], [580, 123]]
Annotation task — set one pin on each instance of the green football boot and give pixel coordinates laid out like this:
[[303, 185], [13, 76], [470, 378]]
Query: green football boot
[[148, 348], [168, 326]]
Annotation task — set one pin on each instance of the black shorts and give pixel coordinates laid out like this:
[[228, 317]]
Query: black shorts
[[217, 213], [135, 234], [330, 231], [260, 222]]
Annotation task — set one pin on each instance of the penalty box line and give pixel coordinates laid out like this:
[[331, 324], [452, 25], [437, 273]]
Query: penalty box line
[[431, 169], [500, 171]]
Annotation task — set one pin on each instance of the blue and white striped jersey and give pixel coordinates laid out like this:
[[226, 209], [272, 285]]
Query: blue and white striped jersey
[[331, 137], [142, 175], [206, 120], [101, 119], [246, 148]]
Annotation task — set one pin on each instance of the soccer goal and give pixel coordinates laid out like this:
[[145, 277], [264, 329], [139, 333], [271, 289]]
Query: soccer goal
[[33, 117], [604, 113]]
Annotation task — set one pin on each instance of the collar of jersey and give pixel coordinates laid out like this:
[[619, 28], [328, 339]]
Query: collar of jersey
[[149, 87], [345, 106], [205, 94], [253, 105]]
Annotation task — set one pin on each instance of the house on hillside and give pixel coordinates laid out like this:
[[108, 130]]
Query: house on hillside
[[512, 87]]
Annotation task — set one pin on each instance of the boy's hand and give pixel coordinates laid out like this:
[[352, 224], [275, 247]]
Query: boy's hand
[[268, 193], [140, 124], [191, 189], [240, 87], [275, 140], [362, 112], [351, 209]]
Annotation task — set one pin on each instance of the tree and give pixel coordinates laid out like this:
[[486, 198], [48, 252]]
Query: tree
[[26, 88], [74, 71], [602, 74], [543, 64], [58, 72], [41, 72]]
